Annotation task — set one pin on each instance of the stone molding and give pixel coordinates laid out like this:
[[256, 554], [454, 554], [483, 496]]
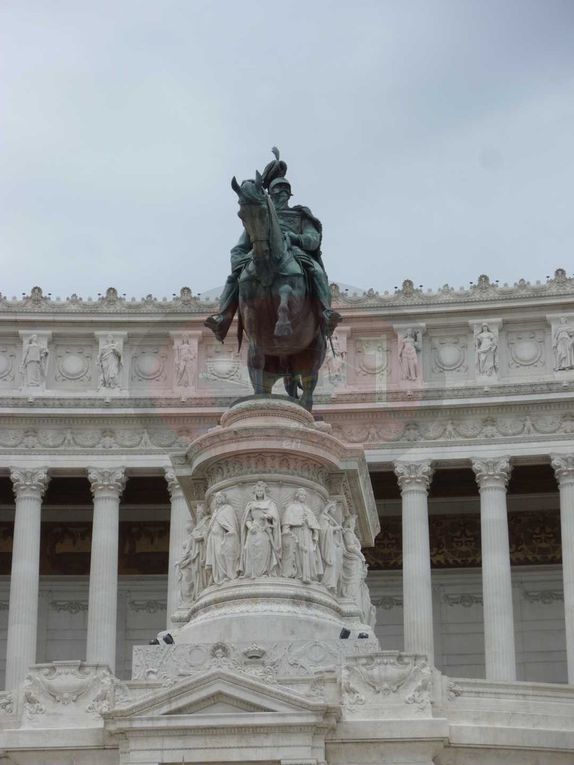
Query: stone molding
[[492, 472], [29, 482], [414, 476], [563, 465], [107, 481], [112, 303]]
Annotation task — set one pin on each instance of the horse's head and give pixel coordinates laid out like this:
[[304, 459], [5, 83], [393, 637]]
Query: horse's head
[[253, 208]]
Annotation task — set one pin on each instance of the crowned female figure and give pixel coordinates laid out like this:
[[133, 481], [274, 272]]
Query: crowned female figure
[[260, 535]]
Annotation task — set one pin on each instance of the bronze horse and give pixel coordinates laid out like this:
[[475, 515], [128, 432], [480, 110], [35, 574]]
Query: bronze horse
[[276, 309]]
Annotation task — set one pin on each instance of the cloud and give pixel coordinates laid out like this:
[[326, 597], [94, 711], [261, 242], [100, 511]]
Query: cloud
[[432, 139]]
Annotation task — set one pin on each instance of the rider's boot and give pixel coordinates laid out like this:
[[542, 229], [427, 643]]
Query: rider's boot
[[329, 318], [220, 322]]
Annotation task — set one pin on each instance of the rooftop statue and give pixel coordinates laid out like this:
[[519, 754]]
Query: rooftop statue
[[278, 283]]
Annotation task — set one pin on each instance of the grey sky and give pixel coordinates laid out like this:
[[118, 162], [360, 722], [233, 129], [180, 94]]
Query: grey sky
[[435, 140]]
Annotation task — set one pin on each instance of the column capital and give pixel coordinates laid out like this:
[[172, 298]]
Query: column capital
[[173, 485], [563, 465], [107, 480], [414, 475], [29, 482], [492, 471]]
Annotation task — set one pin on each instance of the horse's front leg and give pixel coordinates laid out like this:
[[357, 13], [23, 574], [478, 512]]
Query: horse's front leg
[[283, 327], [255, 365]]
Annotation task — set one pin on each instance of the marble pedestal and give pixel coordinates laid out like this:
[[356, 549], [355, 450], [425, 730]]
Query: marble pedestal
[[275, 441]]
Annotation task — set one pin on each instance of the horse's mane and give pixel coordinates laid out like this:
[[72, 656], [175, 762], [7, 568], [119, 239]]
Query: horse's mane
[[251, 193]]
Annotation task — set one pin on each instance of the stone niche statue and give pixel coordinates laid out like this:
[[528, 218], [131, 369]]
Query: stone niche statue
[[331, 546], [33, 366], [563, 346], [110, 363], [300, 541], [486, 345], [336, 361], [260, 535], [184, 358], [223, 546], [353, 584], [409, 345], [192, 573]]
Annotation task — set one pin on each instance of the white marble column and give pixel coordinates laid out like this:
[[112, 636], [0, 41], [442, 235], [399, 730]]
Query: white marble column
[[29, 487], [492, 476], [414, 481], [179, 520], [564, 470], [107, 486]]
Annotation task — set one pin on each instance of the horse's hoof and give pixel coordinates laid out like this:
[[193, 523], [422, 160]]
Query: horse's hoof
[[283, 329]]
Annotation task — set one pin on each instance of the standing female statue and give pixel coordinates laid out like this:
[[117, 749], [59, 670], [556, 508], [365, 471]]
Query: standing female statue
[[353, 584], [110, 363], [222, 554], [331, 546], [191, 566], [260, 535], [300, 537]]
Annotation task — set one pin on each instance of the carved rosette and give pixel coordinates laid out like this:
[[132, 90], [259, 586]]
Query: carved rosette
[[29, 483], [563, 465], [107, 481], [414, 476], [492, 472]]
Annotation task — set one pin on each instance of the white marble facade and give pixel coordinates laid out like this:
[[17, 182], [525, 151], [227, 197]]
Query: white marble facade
[[479, 378]]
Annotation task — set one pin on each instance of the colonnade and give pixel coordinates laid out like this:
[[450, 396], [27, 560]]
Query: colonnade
[[492, 475], [414, 478], [107, 485]]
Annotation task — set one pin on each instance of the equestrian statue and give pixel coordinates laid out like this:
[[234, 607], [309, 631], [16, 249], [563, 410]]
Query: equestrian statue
[[278, 283]]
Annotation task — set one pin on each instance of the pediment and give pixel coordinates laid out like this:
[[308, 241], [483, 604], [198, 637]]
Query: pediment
[[219, 692]]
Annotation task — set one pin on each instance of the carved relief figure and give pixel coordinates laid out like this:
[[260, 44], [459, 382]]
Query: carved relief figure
[[110, 363], [336, 361], [409, 344], [486, 351], [563, 346], [331, 545], [193, 576], [34, 360], [184, 358], [260, 535], [353, 584], [300, 537], [222, 553]]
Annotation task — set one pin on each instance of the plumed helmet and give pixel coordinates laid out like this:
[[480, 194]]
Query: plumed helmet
[[275, 170], [280, 182]]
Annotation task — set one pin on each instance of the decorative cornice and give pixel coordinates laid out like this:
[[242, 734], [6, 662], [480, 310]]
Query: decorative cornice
[[563, 465], [29, 483], [414, 475], [107, 480], [492, 472], [484, 291]]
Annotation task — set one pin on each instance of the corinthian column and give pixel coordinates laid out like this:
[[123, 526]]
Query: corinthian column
[[29, 487], [492, 476], [107, 486], [414, 481], [564, 470], [179, 519]]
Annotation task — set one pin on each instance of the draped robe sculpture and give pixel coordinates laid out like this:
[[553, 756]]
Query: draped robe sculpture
[[331, 546], [191, 566], [260, 535], [300, 536], [222, 553]]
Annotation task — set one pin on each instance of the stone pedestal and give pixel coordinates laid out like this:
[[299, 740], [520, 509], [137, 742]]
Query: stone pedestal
[[281, 510]]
